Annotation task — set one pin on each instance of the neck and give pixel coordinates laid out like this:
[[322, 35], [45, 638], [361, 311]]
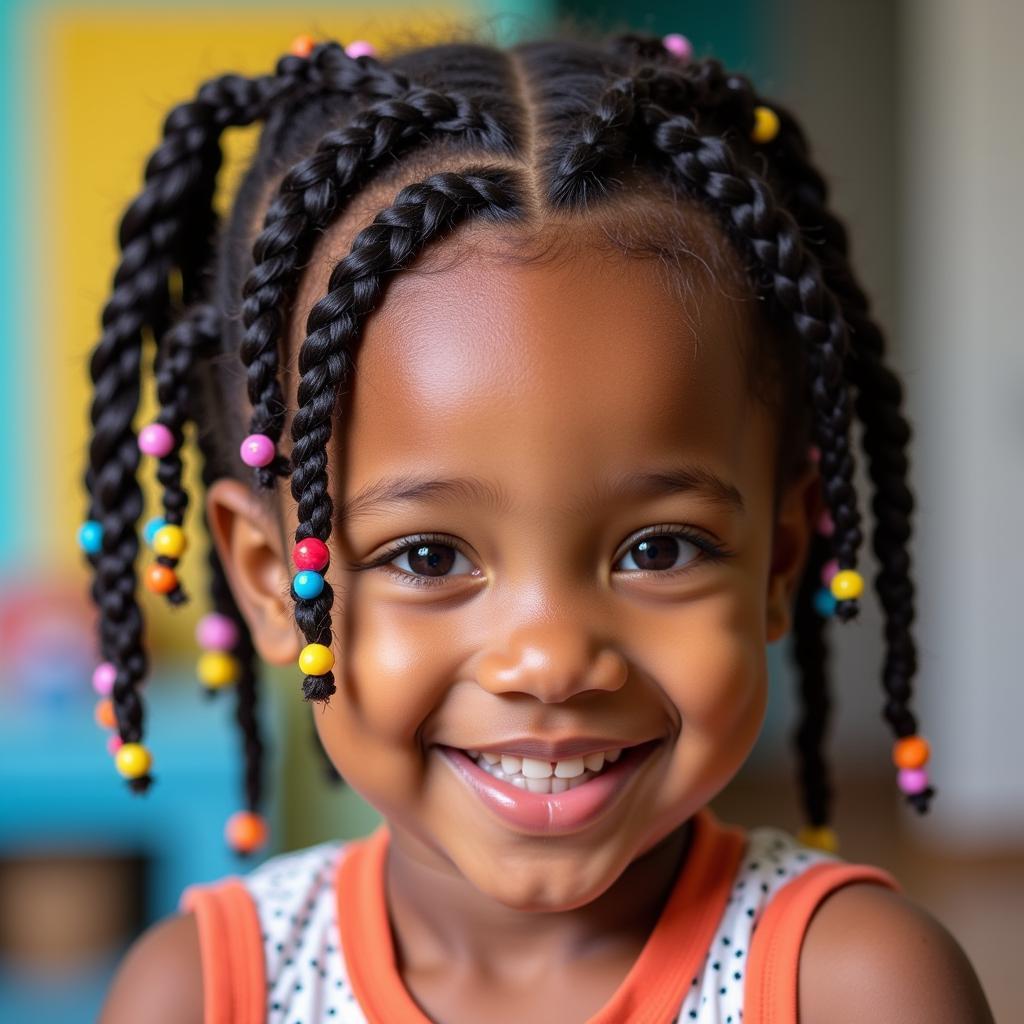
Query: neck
[[438, 917]]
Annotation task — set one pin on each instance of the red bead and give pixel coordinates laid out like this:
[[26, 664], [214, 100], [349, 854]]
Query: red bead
[[160, 579], [311, 554]]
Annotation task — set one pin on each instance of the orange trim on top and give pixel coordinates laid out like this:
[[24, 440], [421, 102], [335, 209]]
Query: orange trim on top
[[771, 993], [652, 991], [231, 949]]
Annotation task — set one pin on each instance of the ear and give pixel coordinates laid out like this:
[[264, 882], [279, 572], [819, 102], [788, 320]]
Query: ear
[[251, 549], [800, 510]]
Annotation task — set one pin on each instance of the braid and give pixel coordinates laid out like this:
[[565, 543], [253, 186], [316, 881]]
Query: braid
[[792, 277], [308, 200], [422, 213]]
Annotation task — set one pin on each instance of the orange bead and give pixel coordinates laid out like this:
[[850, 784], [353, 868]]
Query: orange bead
[[160, 579], [104, 714], [245, 831], [911, 752], [302, 46]]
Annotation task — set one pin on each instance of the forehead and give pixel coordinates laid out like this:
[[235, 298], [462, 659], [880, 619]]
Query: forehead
[[545, 362]]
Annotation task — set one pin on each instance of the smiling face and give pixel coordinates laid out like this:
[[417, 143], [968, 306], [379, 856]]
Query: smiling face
[[590, 563]]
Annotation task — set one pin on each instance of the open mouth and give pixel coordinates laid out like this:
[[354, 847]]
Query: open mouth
[[543, 796]]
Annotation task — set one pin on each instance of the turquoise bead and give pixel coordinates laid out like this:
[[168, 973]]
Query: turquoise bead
[[90, 537], [825, 603], [308, 584], [152, 528]]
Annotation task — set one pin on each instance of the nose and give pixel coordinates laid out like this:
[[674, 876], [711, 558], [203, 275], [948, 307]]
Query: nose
[[552, 662]]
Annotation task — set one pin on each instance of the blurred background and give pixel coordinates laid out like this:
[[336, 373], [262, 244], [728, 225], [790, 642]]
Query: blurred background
[[912, 108]]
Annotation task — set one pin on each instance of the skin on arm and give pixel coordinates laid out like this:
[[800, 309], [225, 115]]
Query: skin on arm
[[160, 979], [872, 955]]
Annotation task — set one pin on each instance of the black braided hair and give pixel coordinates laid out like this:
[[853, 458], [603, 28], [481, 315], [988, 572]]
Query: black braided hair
[[561, 127]]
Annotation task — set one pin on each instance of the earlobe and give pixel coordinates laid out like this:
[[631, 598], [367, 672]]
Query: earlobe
[[249, 543], [799, 512]]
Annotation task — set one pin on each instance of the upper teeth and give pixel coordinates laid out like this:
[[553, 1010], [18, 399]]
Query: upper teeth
[[513, 767]]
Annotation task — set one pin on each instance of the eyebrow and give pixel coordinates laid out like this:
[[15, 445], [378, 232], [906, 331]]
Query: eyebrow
[[387, 492]]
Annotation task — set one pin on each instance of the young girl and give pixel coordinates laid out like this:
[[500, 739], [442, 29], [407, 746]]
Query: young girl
[[551, 357]]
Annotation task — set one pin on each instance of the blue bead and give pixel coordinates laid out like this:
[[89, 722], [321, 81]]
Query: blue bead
[[308, 584], [825, 603], [90, 537], [150, 529]]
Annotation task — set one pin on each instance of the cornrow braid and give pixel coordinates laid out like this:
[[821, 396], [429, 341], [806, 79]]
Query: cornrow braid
[[167, 227], [309, 198], [421, 213]]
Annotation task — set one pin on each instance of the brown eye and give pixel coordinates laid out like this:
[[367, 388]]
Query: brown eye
[[658, 553], [431, 559]]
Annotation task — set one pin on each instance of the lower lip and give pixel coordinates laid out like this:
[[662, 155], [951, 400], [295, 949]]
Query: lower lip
[[550, 813]]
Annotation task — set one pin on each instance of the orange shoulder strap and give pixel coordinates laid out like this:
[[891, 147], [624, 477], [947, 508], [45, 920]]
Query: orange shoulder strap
[[231, 947], [771, 995]]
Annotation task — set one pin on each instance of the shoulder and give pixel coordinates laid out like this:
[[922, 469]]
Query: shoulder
[[871, 954], [160, 979]]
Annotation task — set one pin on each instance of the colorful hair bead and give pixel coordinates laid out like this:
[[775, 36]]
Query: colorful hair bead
[[826, 526], [246, 831], [308, 584], [829, 571], [360, 48], [302, 45], [847, 585], [157, 440], [316, 660], [104, 714], [912, 780], [258, 450], [678, 45], [311, 554], [170, 541], [819, 837], [160, 579], [152, 528], [114, 744], [133, 760], [766, 125], [217, 668], [90, 537], [825, 602], [911, 752], [103, 677], [216, 632]]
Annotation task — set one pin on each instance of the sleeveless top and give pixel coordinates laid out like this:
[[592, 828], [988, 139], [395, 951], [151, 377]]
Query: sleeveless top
[[305, 937]]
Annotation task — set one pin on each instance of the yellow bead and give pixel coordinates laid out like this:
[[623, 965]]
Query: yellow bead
[[133, 760], [217, 668], [766, 124], [170, 541], [316, 660], [847, 585], [820, 838]]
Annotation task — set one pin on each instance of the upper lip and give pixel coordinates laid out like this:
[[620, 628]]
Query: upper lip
[[554, 750]]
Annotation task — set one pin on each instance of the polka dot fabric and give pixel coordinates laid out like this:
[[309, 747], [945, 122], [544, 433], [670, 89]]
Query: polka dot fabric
[[307, 982], [771, 859], [306, 978]]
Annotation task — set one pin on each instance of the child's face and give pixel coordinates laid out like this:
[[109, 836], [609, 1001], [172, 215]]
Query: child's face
[[534, 618]]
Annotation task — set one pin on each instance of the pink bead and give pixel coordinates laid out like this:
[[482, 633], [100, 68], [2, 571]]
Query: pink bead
[[103, 677], [679, 46], [360, 48], [825, 525], [113, 744], [156, 440], [216, 632], [828, 570], [814, 454], [311, 553], [912, 780], [257, 450]]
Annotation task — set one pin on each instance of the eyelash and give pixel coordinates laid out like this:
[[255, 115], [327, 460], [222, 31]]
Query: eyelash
[[709, 552]]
